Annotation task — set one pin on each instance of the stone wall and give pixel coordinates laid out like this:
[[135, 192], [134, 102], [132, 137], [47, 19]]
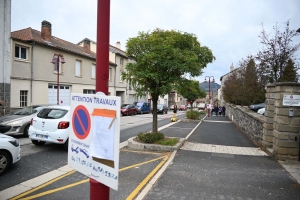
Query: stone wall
[[248, 121], [275, 131]]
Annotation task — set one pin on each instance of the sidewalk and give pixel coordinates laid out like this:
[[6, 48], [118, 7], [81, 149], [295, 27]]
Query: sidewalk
[[220, 162], [217, 161]]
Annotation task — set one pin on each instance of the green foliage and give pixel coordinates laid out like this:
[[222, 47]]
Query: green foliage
[[289, 73], [190, 89], [161, 60], [193, 114], [168, 141], [150, 137]]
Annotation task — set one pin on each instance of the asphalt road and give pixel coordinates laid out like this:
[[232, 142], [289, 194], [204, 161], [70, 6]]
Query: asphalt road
[[38, 160]]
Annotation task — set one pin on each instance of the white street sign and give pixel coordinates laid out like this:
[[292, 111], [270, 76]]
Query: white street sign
[[94, 137]]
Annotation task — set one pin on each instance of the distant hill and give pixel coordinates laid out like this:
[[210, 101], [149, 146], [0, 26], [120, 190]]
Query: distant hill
[[213, 86]]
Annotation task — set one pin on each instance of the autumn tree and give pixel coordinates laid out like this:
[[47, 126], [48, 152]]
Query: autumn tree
[[162, 59], [276, 52], [190, 89]]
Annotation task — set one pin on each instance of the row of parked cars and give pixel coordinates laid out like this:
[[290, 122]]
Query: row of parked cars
[[45, 123]]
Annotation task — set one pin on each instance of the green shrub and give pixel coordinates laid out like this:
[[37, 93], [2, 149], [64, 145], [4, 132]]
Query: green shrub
[[150, 137], [194, 114]]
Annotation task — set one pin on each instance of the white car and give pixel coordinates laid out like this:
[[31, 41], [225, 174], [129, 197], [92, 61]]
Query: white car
[[51, 125], [9, 152], [18, 122], [261, 111]]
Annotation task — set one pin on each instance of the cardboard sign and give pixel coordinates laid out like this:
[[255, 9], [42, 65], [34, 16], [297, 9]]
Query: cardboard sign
[[95, 137]]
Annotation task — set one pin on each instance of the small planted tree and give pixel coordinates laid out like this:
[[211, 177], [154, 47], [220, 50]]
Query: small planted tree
[[162, 57], [190, 90]]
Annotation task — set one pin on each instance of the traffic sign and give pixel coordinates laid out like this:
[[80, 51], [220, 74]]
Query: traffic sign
[[81, 122]]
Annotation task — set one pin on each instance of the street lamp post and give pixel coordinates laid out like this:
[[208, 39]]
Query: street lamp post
[[208, 110], [58, 58]]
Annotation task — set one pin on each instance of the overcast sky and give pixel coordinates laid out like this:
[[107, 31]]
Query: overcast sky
[[230, 28]]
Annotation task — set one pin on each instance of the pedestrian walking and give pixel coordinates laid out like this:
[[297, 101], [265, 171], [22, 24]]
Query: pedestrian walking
[[175, 108], [220, 110], [223, 110], [216, 110]]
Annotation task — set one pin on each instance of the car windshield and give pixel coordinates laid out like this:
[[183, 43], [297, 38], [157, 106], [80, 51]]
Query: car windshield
[[125, 106], [52, 113], [160, 106], [28, 110], [139, 104]]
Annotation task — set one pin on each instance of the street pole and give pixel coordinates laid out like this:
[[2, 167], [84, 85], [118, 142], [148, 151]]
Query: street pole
[[208, 110], [57, 64], [98, 190]]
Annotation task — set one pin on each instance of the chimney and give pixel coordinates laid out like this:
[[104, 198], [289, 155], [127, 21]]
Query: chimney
[[46, 31], [231, 67], [86, 45], [118, 45]]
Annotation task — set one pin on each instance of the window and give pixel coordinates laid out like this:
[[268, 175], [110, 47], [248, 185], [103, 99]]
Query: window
[[93, 71], [59, 67], [110, 73], [85, 91], [23, 98], [121, 76], [78, 68], [21, 52], [121, 61]]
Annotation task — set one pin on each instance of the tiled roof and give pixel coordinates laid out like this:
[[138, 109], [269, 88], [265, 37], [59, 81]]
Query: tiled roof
[[31, 35], [111, 48]]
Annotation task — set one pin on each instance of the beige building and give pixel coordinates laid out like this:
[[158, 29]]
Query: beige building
[[34, 77]]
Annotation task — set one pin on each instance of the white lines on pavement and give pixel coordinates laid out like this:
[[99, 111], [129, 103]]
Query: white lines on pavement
[[217, 121], [213, 148]]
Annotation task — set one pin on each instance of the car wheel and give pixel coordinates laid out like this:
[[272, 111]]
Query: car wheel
[[37, 142], [5, 161], [25, 132], [66, 145]]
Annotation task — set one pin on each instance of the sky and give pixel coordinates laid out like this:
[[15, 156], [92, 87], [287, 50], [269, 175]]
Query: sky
[[230, 28]]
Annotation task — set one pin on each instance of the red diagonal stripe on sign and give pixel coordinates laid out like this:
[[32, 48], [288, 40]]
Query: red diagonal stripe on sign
[[80, 122]]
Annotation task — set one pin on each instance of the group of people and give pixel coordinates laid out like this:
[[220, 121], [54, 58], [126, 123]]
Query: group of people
[[218, 110]]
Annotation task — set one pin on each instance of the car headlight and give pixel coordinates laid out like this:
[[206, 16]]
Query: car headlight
[[15, 123], [14, 142]]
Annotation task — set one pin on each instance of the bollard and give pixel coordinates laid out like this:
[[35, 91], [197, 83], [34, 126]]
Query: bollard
[[98, 191]]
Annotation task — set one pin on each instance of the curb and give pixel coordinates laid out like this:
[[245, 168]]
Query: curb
[[154, 147]]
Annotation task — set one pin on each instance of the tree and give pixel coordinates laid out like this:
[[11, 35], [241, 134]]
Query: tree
[[274, 56], [162, 58], [289, 73], [190, 90], [232, 92], [253, 92]]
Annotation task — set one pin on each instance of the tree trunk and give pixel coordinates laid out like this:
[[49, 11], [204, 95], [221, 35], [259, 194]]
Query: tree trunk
[[154, 113]]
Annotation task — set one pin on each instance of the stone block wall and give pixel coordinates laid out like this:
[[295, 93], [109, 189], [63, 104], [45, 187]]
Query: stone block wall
[[267, 137], [249, 122], [286, 128]]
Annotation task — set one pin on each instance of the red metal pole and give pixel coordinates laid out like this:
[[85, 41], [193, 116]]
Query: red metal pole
[[57, 63], [98, 190], [102, 59]]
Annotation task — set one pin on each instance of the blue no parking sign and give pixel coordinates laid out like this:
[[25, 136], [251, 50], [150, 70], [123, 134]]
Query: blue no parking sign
[[81, 122]]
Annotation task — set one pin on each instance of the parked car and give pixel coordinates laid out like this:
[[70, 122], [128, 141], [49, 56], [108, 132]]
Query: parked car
[[143, 107], [128, 109], [189, 106], [51, 125], [172, 107], [183, 107], [9, 152], [18, 122], [261, 111], [162, 108], [256, 107]]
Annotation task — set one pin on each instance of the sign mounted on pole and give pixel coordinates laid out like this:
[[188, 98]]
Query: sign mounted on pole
[[95, 136]]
